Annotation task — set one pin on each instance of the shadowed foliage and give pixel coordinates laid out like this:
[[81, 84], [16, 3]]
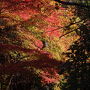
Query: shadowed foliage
[[78, 71]]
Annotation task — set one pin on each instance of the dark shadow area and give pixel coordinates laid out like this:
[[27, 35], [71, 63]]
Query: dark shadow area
[[77, 68], [80, 3]]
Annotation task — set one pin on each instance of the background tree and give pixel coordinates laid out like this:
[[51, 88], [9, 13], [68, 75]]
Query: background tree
[[77, 73]]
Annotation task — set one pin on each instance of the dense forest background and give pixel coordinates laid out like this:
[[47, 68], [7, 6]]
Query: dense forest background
[[44, 44]]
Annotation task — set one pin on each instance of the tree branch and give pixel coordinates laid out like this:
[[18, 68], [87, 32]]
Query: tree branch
[[72, 3], [8, 87]]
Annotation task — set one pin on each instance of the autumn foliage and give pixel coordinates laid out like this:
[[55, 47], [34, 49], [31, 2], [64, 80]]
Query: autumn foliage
[[33, 36]]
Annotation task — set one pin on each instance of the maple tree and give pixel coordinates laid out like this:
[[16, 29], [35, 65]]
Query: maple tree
[[33, 36]]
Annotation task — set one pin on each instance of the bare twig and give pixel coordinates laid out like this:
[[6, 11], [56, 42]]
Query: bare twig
[[8, 87]]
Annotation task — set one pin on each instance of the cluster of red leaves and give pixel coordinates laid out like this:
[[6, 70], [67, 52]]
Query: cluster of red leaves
[[52, 32], [17, 0], [48, 65], [22, 8], [18, 48], [25, 9], [49, 75], [21, 0], [42, 63], [38, 43]]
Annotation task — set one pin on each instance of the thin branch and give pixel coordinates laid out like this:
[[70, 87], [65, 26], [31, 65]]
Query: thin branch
[[8, 87], [68, 33], [72, 3]]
